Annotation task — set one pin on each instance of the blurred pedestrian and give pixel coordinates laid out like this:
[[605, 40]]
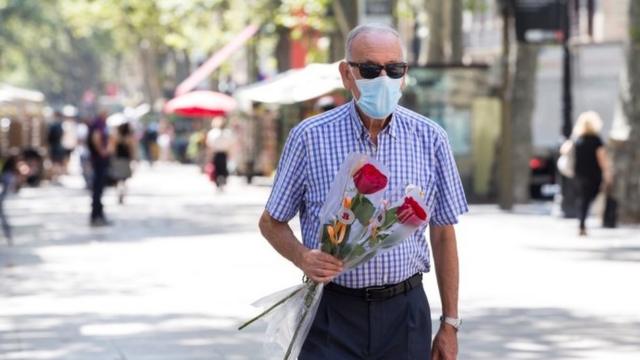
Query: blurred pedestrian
[[150, 142], [219, 142], [165, 140], [123, 147], [11, 176], [82, 151], [591, 164], [196, 148], [69, 140], [99, 151], [57, 153]]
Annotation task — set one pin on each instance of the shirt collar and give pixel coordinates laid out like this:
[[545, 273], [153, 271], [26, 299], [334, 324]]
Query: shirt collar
[[361, 130]]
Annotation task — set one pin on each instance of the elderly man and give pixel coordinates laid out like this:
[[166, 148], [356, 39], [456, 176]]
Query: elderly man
[[378, 310]]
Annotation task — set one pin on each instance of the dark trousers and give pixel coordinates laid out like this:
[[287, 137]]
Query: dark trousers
[[100, 167], [348, 327], [6, 228], [587, 191]]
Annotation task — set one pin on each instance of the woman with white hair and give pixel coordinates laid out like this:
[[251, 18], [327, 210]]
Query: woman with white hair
[[591, 164]]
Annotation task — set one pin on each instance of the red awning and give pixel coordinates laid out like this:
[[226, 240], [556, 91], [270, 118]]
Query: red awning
[[200, 104]]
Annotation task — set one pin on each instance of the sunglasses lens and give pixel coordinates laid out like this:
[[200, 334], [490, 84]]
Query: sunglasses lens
[[395, 71], [370, 71]]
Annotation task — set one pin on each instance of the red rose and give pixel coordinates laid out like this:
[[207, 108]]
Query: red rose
[[369, 179], [411, 213]]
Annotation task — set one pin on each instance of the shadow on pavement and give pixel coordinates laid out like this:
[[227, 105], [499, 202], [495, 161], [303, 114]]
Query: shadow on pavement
[[505, 334], [545, 333], [609, 253], [93, 336]]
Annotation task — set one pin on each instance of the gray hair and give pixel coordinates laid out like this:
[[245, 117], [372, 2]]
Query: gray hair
[[370, 28]]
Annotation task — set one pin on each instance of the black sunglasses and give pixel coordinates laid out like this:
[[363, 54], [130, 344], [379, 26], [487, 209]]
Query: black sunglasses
[[372, 71]]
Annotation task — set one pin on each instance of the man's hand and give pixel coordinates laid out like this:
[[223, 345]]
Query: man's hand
[[319, 266], [445, 344]]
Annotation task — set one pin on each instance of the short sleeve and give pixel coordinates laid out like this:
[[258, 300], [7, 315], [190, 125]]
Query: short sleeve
[[288, 188], [450, 201], [597, 143]]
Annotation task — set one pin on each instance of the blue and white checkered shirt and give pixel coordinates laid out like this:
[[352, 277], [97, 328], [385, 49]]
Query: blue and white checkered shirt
[[415, 150]]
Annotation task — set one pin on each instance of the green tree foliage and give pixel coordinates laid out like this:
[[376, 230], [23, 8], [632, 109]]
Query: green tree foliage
[[64, 47], [40, 49]]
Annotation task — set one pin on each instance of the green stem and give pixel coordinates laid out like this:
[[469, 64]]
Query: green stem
[[311, 294], [269, 309]]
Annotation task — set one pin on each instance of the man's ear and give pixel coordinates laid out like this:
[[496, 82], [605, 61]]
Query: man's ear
[[345, 74]]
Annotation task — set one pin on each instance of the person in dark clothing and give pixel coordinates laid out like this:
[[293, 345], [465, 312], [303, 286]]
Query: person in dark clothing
[[149, 141], [11, 176], [219, 142], [57, 152], [591, 166], [122, 146], [99, 152]]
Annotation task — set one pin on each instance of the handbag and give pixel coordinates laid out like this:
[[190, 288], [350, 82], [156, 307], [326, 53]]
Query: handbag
[[610, 216], [120, 169], [567, 161]]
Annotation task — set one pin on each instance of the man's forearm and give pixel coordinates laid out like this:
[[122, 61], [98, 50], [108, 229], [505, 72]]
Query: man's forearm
[[281, 237], [445, 254]]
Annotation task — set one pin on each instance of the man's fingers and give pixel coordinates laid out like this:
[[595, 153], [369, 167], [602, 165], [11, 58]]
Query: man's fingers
[[322, 275], [329, 267], [322, 267], [324, 257], [321, 279], [325, 273]]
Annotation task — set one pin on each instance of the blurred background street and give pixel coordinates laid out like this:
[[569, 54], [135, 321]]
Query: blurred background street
[[139, 141], [156, 284]]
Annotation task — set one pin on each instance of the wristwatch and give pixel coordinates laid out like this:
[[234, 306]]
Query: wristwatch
[[455, 322]]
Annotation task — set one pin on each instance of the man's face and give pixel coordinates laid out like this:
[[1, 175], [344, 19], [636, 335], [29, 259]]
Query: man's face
[[370, 47]]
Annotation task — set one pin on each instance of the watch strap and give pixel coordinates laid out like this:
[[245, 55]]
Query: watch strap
[[455, 322]]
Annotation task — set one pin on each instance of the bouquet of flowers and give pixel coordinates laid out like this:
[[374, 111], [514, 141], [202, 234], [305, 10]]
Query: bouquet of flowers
[[356, 225]]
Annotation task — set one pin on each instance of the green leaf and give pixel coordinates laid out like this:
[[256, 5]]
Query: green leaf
[[390, 217], [363, 209], [357, 251], [343, 250]]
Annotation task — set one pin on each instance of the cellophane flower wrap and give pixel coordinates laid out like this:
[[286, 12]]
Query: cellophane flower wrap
[[356, 224]]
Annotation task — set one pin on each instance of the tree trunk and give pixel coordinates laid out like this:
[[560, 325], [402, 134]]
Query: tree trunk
[[455, 31], [522, 102], [436, 31], [627, 155], [253, 68], [283, 49], [148, 57], [346, 15], [445, 31]]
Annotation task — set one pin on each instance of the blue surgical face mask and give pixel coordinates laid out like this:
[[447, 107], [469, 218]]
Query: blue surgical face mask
[[379, 97]]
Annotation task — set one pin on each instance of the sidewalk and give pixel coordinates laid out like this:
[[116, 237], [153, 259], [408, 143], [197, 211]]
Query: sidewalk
[[178, 270]]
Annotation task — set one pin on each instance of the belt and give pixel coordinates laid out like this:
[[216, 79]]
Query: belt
[[378, 293]]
